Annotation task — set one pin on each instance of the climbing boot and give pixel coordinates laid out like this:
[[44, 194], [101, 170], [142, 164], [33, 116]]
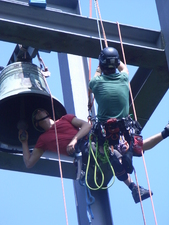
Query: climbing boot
[[143, 193]]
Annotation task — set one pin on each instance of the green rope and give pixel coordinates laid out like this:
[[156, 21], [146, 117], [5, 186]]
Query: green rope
[[104, 158], [96, 165], [106, 151]]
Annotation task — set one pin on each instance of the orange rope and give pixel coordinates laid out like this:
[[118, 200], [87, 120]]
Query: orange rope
[[136, 120], [124, 59], [90, 15], [104, 34], [89, 101], [140, 197], [149, 188], [58, 151]]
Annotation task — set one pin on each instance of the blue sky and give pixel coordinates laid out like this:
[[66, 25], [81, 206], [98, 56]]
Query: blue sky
[[34, 199]]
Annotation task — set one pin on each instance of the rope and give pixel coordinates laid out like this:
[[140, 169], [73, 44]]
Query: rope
[[149, 188], [90, 15], [140, 197], [57, 144], [98, 26], [104, 159], [104, 34], [96, 165], [89, 101], [142, 151], [124, 59]]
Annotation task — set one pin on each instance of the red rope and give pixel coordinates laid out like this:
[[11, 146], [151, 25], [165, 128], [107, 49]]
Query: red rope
[[140, 197], [58, 151], [142, 151], [124, 59], [90, 15], [149, 188], [89, 100]]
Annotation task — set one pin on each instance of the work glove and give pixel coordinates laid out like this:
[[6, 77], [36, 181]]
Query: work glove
[[165, 132]]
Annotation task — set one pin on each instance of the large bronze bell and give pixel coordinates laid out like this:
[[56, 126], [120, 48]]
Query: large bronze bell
[[23, 90]]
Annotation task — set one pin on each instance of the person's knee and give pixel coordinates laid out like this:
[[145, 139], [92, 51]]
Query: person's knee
[[122, 176], [118, 168]]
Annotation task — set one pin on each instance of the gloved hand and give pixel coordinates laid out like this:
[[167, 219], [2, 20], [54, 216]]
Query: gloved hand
[[165, 132]]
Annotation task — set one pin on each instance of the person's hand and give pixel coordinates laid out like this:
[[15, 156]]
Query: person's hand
[[98, 71], [23, 136], [71, 147]]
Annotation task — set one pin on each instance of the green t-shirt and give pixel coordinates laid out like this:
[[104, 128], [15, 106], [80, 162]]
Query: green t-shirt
[[112, 95]]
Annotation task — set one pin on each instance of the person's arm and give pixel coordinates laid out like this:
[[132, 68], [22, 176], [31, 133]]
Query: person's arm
[[157, 138], [83, 131], [123, 68], [30, 159], [152, 141]]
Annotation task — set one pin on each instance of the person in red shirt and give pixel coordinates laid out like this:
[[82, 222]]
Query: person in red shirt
[[69, 128]]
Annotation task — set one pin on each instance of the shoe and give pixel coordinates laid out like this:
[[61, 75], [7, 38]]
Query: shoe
[[143, 192], [127, 161]]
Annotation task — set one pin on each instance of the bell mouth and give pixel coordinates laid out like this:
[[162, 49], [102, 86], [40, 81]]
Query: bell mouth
[[23, 90], [11, 113]]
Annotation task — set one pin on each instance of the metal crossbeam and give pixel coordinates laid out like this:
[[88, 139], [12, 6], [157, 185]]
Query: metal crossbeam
[[75, 34]]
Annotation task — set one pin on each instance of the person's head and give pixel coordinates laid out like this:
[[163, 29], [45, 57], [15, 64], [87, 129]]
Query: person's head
[[38, 118], [109, 60]]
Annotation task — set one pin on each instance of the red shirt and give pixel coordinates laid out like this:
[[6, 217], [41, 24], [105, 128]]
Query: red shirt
[[65, 133]]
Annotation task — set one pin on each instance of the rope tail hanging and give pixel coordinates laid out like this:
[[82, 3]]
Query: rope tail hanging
[[133, 105], [57, 144]]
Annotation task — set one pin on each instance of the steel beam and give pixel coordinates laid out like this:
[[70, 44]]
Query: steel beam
[[48, 166], [71, 33], [162, 8], [148, 88]]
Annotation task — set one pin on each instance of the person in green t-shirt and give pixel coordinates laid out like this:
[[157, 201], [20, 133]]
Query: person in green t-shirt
[[111, 91]]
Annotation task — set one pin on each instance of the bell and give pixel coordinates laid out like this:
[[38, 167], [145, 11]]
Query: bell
[[23, 90]]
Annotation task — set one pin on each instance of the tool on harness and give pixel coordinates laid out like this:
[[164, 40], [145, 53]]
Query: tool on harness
[[123, 135], [123, 145]]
